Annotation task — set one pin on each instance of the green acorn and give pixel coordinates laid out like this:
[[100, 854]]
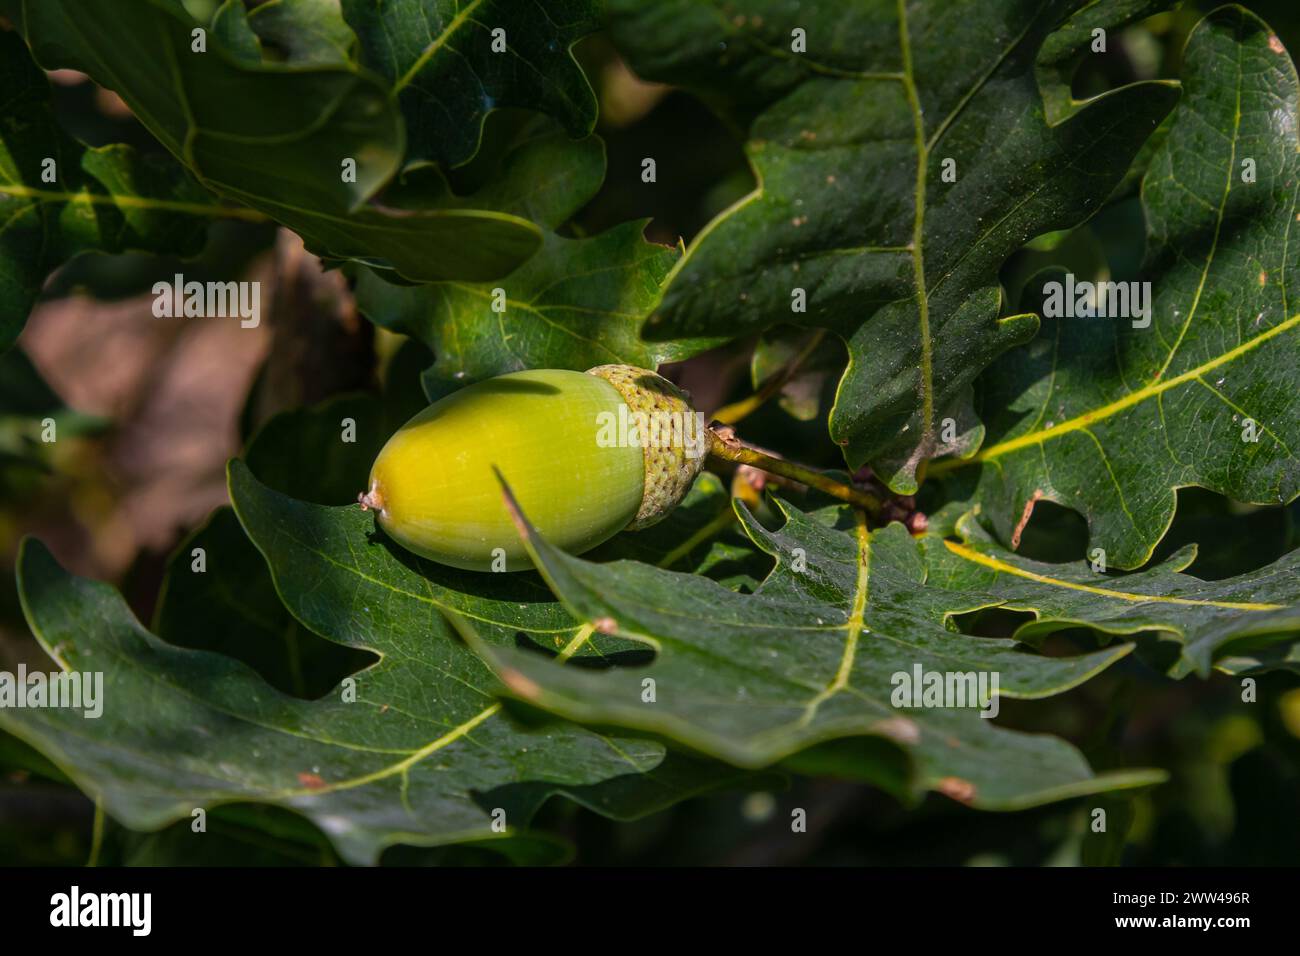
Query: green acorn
[[587, 455]]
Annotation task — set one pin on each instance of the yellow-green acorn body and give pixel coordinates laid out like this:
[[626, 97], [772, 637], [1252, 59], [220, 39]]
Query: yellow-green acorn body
[[573, 446]]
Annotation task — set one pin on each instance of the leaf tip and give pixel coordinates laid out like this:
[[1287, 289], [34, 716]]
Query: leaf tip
[[512, 506], [963, 791], [900, 730], [519, 685]]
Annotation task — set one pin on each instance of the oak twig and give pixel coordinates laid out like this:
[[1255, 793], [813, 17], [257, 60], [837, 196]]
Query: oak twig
[[724, 444]]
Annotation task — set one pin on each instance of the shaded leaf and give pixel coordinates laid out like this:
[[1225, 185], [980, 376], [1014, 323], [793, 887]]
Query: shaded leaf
[[26, 403], [807, 360], [1109, 419], [303, 452], [849, 142], [304, 31], [701, 535], [809, 657], [1284, 656], [578, 303], [230, 26], [424, 755], [1064, 49], [224, 118], [231, 608], [109, 199], [438, 57], [22, 389], [1207, 617]]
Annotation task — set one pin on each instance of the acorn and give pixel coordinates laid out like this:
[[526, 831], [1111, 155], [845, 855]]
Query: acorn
[[586, 454]]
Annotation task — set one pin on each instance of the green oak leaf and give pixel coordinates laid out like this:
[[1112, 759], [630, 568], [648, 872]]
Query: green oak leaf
[[425, 755], [109, 199], [315, 550], [1063, 50], [803, 363], [344, 580], [304, 31], [808, 658], [185, 728], [1272, 657], [578, 303], [232, 608], [438, 57], [223, 116], [850, 142], [230, 25], [1109, 419], [1209, 618], [340, 469]]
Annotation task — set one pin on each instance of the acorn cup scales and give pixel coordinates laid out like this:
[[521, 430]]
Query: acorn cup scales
[[562, 441]]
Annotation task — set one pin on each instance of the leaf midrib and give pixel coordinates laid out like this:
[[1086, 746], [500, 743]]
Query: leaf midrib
[[923, 148], [976, 557], [921, 294], [1113, 408], [580, 637], [438, 43], [127, 201], [1218, 229], [853, 627]]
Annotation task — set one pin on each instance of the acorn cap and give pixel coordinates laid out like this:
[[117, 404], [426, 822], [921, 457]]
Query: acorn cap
[[672, 434]]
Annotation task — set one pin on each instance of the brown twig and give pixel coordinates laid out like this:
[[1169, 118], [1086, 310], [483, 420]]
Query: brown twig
[[725, 445]]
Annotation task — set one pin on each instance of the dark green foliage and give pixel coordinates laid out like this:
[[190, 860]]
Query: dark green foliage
[[1102, 527]]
